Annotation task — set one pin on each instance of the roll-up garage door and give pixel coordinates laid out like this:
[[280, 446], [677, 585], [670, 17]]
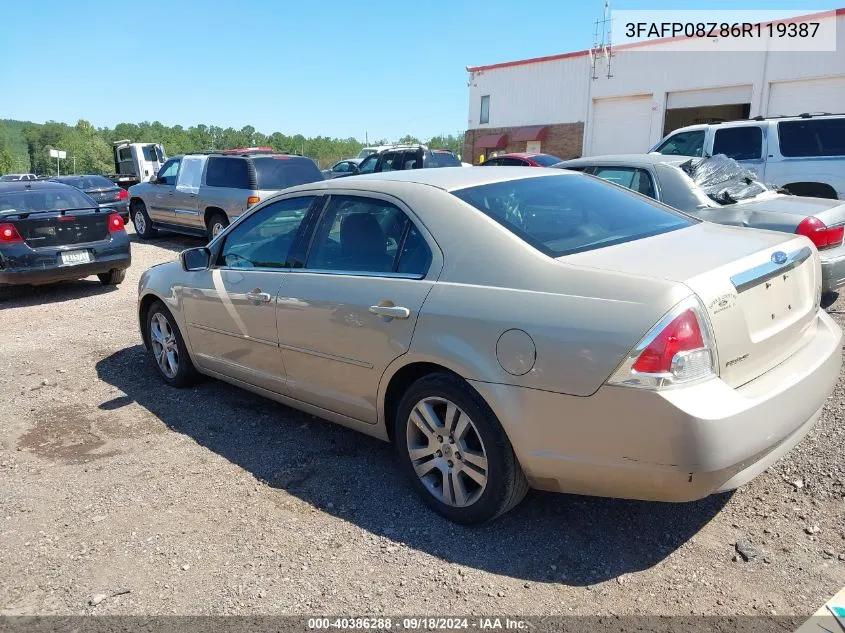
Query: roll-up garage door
[[621, 125], [808, 95]]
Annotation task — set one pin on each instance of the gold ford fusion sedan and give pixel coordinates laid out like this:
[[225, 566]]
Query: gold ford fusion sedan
[[507, 329]]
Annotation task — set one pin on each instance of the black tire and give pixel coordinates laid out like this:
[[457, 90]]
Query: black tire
[[506, 484], [113, 277], [186, 374], [217, 218], [141, 220]]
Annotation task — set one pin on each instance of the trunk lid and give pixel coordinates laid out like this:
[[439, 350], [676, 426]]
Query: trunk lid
[[55, 228], [104, 195], [760, 288], [779, 211]]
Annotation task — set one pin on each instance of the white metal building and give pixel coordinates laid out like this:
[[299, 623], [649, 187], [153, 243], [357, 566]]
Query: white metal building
[[553, 104]]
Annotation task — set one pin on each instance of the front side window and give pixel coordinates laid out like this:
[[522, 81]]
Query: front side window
[[367, 235], [232, 173], [634, 179], [167, 173], [739, 143], [812, 137], [684, 144], [485, 109], [368, 165], [264, 239], [566, 214], [341, 168]]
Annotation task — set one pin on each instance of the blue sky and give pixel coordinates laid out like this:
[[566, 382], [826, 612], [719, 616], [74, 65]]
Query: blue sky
[[319, 67]]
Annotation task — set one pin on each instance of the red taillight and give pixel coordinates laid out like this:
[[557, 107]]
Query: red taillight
[[122, 194], [115, 223], [681, 335], [819, 233], [9, 233]]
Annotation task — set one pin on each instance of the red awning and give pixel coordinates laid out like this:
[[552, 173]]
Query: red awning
[[492, 141], [536, 133]]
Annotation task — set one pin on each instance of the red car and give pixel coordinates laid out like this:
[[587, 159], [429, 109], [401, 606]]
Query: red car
[[522, 159]]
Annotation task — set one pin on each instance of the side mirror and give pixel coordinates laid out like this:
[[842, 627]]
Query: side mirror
[[195, 259]]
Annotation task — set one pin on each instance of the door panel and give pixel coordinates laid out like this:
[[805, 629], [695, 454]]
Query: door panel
[[160, 205], [185, 203], [334, 348], [231, 320]]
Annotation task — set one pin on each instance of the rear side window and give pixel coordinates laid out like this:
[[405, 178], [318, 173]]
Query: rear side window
[[819, 137], [635, 179], [281, 172], [391, 161], [566, 214], [227, 172], [546, 160], [739, 143], [443, 159], [684, 144]]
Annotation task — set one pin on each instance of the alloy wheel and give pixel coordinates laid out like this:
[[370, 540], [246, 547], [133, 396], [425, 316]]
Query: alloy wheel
[[140, 222], [447, 452], [216, 228], [165, 348]]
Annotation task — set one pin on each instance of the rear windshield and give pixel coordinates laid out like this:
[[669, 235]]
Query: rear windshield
[[546, 160], [562, 215], [87, 182], [819, 137], [443, 159], [44, 200], [280, 172]]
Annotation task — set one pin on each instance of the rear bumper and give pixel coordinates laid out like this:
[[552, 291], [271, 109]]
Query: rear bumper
[[673, 445], [833, 271], [20, 264]]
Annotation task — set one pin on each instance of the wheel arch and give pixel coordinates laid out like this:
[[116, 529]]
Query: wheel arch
[[814, 189], [209, 211]]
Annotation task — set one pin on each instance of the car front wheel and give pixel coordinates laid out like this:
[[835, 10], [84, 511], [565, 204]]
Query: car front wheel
[[455, 451], [141, 220], [168, 349]]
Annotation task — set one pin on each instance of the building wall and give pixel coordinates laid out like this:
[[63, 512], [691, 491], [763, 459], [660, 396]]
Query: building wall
[[562, 90], [563, 139]]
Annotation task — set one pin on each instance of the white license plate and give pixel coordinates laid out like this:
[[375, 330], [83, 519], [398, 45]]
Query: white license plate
[[70, 258]]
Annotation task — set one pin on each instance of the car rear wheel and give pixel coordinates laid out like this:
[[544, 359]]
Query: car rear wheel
[[168, 349], [141, 220], [113, 277], [455, 451], [216, 223]]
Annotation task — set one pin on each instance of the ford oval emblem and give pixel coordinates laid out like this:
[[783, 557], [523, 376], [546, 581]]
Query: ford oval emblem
[[779, 257]]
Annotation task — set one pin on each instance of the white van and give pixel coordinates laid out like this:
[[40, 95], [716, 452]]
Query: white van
[[804, 154]]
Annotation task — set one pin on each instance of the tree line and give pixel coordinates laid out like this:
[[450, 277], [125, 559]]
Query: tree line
[[25, 146]]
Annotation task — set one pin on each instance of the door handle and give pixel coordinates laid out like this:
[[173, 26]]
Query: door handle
[[391, 312], [258, 296]]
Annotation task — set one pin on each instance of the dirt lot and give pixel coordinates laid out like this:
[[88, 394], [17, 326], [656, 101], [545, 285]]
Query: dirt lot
[[119, 495]]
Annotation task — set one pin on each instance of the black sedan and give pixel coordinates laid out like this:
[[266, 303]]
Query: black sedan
[[104, 192], [345, 167], [52, 232]]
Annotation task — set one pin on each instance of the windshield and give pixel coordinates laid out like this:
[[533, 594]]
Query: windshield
[[281, 172], [546, 160], [723, 180], [440, 158], [566, 214], [44, 200]]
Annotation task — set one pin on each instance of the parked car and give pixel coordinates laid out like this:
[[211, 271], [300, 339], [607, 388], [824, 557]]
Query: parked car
[[52, 232], [15, 177], [201, 194], [508, 328], [341, 168], [804, 154], [102, 190], [522, 159], [401, 157], [719, 189]]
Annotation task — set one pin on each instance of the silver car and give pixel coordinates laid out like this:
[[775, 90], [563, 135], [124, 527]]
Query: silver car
[[201, 194], [719, 189], [508, 328]]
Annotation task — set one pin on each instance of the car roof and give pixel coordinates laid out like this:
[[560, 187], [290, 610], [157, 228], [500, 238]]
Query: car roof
[[32, 185], [632, 160], [446, 178]]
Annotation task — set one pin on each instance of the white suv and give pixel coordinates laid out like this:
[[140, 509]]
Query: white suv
[[804, 154]]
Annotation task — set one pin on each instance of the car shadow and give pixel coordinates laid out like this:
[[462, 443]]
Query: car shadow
[[26, 296], [828, 299], [548, 538]]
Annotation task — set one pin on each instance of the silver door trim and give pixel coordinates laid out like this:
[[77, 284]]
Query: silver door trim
[[754, 276], [313, 352], [233, 334], [185, 212]]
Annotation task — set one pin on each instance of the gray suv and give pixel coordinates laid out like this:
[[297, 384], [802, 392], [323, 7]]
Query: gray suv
[[201, 194]]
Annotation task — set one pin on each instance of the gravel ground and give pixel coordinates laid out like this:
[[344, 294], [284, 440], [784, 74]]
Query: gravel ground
[[119, 495]]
